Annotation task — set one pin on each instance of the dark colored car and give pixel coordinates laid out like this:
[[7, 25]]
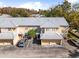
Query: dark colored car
[[21, 43]]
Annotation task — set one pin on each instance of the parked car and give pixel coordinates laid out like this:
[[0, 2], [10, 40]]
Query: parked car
[[21, 43]]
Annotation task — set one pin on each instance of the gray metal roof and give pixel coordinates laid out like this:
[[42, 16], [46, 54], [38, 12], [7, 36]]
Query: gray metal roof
[[5, 23], [61, 21], [49, 24], [25, 21], [6, 35], [31, 21], [51, 36], [55, 22]]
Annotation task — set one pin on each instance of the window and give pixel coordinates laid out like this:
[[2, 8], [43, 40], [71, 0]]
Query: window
[[63, 31], [9, 29], [42, 30], [20, 35], [54, 29], [13, 29], [47, 29]]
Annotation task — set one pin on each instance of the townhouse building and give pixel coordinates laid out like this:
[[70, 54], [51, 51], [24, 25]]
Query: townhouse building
[[52, 29]]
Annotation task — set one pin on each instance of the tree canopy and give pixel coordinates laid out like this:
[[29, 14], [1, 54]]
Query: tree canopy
[[64, 10], [17, 12], [61, 10]]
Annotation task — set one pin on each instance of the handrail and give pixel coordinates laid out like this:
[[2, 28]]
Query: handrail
[[74, 34]]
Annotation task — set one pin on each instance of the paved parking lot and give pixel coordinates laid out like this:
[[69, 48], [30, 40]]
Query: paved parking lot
[[33, 51]]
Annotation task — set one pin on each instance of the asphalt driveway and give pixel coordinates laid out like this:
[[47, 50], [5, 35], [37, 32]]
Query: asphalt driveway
[[33, 51]]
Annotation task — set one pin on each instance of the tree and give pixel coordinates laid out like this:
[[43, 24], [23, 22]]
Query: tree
[[59, 10], [17, 12], [32, 33], [74, 19], [14, 13], [24, 13], [66, 6], [64, 10]]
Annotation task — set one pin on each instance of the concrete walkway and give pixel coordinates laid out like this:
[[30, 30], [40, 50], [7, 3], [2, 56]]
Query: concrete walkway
[[29, 42]]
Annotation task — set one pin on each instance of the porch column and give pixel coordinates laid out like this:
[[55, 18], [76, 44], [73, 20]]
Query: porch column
[[61, 42]]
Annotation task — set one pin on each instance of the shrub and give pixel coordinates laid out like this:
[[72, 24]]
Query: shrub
[[32, 33]]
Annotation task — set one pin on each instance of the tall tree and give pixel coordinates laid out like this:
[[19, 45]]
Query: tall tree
[[66, 6]]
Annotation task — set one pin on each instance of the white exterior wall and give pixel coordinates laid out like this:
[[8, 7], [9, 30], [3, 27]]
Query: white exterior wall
[[63, 30], [50, 30], [23, 30], [20, 30], [4, 30], [5, 43], [57, 30], [16, 39], [7, 30]]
